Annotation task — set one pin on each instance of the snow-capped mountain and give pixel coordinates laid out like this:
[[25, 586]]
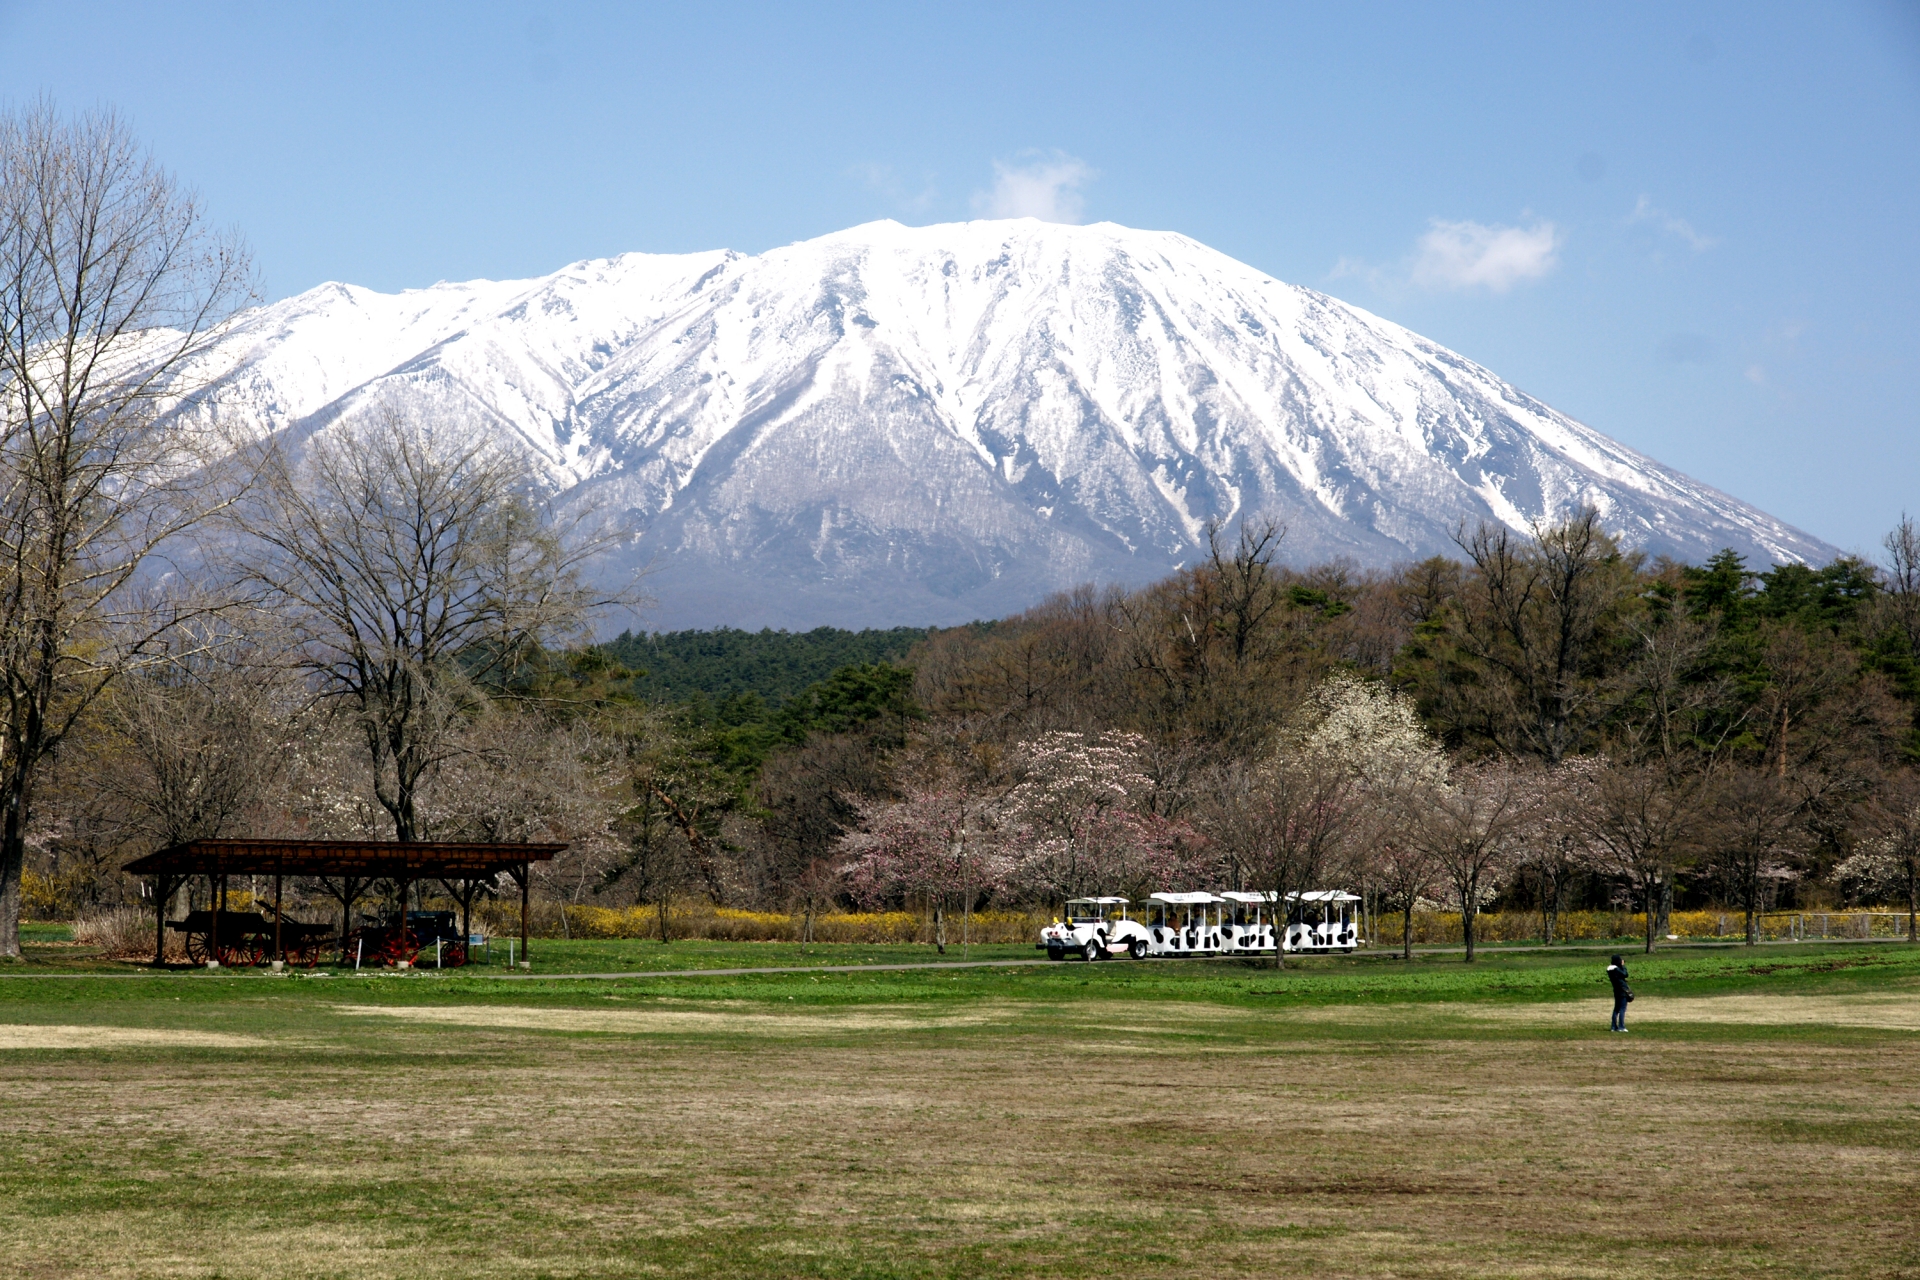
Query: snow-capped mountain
[[929, 424]]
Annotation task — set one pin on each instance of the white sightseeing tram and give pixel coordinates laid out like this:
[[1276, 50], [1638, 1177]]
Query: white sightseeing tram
[[1204, 924]]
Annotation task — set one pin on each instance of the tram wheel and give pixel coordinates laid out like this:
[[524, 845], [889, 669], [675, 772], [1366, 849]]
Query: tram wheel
[[1091, 951], [1056, 953], [1137, 948]]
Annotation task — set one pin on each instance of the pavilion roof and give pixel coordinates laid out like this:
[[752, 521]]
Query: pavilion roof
[[417, 860]]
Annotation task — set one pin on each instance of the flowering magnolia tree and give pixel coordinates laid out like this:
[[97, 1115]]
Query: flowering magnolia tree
[[1367, 729], [1080, 821]]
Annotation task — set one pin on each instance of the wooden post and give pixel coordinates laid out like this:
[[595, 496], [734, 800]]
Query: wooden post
[[405, 885], [279, 952], [162, 887], [524, 879], [217, 892]]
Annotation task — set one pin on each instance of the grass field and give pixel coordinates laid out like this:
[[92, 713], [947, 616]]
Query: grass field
[[1349, 1117]]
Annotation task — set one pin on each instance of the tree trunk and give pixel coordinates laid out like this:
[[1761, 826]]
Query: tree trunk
[[1406, 931], [13, 857], [661, 903], [1467, 914], [1646, 904], [1753, 906], [939, 928], [1913, 898], [1662, 929]]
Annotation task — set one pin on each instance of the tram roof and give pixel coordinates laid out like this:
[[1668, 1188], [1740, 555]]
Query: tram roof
[[439, 859], [1238, 895], [1105, 902]]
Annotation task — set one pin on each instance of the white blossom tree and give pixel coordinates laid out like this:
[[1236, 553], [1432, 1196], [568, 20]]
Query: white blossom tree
[[1080, 819]]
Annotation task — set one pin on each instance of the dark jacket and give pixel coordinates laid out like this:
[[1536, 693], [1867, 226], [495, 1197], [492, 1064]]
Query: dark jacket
[[1617, 974]]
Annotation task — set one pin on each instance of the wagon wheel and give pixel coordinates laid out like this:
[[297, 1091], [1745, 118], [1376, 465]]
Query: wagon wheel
[[392, 950], [197, 950]]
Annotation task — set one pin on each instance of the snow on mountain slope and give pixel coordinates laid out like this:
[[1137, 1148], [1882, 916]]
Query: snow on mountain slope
[[894, 424]]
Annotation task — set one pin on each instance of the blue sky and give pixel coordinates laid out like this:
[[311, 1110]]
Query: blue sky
[[1696, 227]]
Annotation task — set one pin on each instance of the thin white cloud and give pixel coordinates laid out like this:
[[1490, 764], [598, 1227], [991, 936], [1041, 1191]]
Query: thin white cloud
[[1646, 213], [898, 192], [1473, 255], [1046, 187]]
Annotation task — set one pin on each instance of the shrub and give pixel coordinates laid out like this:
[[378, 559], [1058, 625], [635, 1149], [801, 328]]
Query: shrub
[[125, 933]]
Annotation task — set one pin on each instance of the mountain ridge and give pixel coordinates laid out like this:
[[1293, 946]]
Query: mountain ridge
[[911, 425]]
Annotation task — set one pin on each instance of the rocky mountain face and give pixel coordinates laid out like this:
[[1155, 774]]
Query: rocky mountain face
[[896, 425]]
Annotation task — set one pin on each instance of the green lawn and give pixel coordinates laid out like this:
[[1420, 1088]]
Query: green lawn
[[1351, 1116]]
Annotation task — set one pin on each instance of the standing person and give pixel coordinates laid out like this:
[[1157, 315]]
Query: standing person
[[1622, 993]]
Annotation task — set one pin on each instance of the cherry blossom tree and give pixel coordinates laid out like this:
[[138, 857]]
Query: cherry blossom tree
[[936, 843]]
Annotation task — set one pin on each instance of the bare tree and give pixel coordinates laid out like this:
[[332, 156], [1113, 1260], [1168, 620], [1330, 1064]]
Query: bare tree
[[1473, 828], [1557, 851], [1638, 818], [1531, 617], [110, 284], [1901, 581], [418, 572], [1754, 814], [194, 745], [1403, 873], [1282, 823]]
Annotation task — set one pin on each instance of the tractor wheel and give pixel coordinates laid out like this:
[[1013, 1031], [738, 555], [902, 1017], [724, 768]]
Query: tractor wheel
[[1137, 948], [453, 955]]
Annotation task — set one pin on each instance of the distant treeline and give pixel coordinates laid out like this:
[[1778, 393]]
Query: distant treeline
[[714, 666]]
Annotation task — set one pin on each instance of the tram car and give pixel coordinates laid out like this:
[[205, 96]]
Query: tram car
[[1233, 923], [1095, 929]]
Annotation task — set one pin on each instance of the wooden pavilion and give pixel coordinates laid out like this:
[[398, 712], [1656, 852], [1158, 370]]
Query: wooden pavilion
[[344, 868]]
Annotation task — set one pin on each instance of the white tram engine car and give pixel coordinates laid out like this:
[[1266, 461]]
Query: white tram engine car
[[1095, 929], [1205, 924]]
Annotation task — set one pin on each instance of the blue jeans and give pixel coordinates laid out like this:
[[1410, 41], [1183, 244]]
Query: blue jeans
[[1619, 1014]]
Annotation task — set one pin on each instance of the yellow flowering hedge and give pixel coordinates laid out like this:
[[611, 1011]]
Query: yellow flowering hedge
[[701, 920]]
